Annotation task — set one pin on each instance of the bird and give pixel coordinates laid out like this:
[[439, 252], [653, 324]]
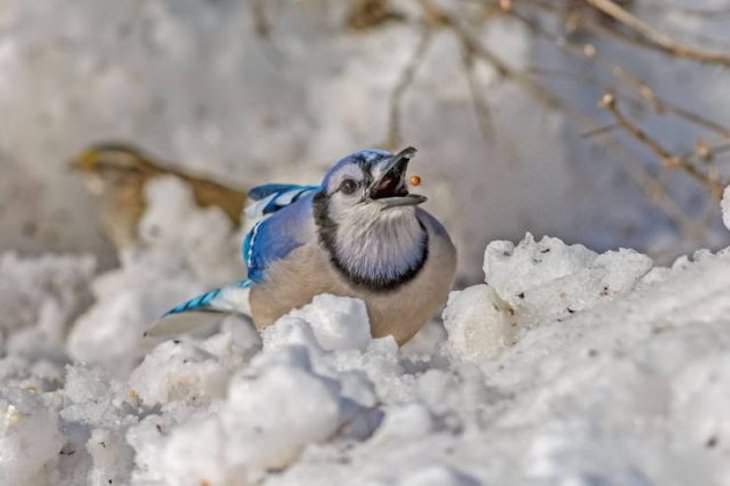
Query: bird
[[359, 233], [116, 173]]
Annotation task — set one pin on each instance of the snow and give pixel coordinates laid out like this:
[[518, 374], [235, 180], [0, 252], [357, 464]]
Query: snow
[[725, 204], [186, 251], [338, 323], [478, 322], [565, 366], [29, 438]]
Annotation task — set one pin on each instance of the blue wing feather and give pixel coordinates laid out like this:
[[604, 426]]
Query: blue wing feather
[[270, 238], [259, 192], [273, 197], [275, 236]]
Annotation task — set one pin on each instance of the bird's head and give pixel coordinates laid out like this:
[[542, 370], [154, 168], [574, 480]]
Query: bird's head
[[111, 164], [366, 215], [373, 181]]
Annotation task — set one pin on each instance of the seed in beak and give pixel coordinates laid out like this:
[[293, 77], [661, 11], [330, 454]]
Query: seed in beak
[[414, 180]]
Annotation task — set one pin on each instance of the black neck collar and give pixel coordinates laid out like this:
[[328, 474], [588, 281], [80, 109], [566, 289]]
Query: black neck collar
[[327, 231]]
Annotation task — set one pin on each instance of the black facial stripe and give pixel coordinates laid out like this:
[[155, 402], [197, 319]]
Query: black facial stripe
[[327, 230]]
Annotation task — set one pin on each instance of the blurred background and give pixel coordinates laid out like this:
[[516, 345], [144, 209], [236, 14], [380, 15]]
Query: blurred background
[[604, 122]]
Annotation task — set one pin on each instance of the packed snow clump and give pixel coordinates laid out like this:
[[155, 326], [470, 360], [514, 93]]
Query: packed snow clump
[[532, 283], [564, 367]]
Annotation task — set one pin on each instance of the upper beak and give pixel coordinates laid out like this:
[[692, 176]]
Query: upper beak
[[391, 189], [82, 162]]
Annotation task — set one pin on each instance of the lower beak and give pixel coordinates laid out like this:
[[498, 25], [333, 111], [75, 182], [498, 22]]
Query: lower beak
[[408, 200], [390, 189]]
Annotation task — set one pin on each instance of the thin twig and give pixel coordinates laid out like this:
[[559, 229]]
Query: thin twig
[[632, 80], [652, 185], [668, 160], [595, 132], [478, 49], [657, 194], [407, 75], [261, 23], [481, 107], [656, 37]]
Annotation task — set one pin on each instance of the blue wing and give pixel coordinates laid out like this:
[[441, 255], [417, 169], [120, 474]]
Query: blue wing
[[275, 235], [270, 238], [269, 198]]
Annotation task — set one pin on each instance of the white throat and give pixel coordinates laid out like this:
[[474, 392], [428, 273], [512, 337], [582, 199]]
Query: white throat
[[379, 245]]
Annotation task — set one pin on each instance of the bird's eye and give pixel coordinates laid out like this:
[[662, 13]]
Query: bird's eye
[[348, 186]]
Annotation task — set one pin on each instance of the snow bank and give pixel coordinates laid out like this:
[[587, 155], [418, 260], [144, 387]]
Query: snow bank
[[39, 299], [186, 250], [564, 367]]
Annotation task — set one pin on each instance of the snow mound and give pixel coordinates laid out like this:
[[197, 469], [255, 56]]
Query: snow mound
[[550, 280], [532, 283], [186, 248], [564, 367], [40, 297], [478, 322], [29, 438]]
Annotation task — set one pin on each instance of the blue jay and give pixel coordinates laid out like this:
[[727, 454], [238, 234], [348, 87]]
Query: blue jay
[[360, 233]]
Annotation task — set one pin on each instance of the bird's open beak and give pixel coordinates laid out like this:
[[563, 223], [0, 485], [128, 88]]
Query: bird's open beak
[[391, 188]]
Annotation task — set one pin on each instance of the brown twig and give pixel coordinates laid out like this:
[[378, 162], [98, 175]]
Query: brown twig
[[642, 89], [668, 160], [476, 48], [407, 75], [657, 194], [481, 107], [659, 39], [652, 185], [261, 23]]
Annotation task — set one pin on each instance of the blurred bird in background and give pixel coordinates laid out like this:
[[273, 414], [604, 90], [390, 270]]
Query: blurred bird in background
[[359, 233], [116, 173]]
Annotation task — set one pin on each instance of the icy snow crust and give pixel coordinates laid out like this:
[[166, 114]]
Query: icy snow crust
[[564, 367]]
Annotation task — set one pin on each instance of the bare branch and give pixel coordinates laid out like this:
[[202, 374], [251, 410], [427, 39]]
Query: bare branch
[[261, 22], [587, 51], [656, 37], [407, 75], [668, 160], [472, 43], [481, 107]]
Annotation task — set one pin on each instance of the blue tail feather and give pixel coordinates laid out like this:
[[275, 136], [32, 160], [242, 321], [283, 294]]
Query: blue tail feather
[[206, 301], [196, 303]]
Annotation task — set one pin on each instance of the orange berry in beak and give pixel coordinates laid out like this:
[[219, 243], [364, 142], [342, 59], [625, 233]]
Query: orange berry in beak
[[415, 180]]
